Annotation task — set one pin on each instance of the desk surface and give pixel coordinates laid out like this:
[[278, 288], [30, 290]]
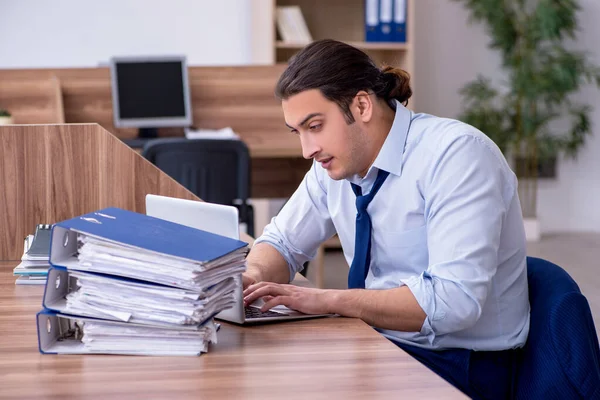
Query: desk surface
[[323, 358]]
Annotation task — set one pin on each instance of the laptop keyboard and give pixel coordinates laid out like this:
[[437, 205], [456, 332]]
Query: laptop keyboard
[[253, 312]]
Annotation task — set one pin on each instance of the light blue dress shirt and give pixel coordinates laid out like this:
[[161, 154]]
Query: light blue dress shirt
[[447, 223]]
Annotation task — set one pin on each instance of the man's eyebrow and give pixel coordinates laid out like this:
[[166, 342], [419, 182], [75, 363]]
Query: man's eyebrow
[[306, 119]]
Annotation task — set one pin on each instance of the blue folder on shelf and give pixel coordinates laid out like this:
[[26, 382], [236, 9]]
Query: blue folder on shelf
[[386, 17], [372, 20], [399, 21]]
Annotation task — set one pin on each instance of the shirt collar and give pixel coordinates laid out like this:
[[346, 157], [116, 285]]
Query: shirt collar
[[391, 153]]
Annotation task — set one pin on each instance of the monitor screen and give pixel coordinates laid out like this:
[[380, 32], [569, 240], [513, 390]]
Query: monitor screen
[[150, 92]]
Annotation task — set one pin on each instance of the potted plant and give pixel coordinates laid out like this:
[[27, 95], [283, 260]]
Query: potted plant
[[5, 117], [519, 114]]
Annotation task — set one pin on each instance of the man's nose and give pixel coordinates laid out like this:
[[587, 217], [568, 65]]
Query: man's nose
[[309, 148]]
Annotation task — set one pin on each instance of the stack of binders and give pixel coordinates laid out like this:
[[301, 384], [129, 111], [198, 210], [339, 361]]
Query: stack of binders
[[385, 21], [127, 283]]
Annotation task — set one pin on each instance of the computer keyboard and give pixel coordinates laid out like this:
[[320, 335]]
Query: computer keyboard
[[253, 312]]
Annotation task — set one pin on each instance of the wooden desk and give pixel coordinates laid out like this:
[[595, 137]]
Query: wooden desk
[[336, 358]]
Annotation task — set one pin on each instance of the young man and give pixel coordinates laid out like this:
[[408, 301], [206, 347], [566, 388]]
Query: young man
[[426, 210]]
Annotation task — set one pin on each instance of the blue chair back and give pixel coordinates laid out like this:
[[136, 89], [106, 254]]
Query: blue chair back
[[561, 359]]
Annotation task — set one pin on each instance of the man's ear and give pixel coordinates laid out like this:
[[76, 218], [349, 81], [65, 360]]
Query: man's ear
[[363, 104]]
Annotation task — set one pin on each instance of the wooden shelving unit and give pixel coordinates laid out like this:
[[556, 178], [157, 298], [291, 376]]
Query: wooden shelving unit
[[342, 20], [361, 45]]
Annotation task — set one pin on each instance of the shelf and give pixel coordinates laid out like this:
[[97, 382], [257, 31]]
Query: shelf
[[361, 45]]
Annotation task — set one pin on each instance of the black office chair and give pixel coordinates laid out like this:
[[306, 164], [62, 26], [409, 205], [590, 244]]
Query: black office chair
[[217, 171]]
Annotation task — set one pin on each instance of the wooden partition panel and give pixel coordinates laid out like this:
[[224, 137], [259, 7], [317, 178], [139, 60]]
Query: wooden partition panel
[[54, 172], [239, 97], [33, 100], [244, 99], [277, 177]]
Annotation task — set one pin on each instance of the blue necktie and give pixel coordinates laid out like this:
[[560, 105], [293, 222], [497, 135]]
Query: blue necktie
[[362, 243]]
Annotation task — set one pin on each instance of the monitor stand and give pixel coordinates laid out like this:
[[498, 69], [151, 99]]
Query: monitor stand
[[144, 135], [147, 133]]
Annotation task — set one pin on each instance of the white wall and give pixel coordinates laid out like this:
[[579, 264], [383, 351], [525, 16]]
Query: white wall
[[85, 33], [451, 52]]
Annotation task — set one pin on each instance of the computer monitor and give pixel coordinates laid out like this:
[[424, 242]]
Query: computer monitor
[[150, 92]]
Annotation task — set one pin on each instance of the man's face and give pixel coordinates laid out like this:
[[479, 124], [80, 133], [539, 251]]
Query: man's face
[[325, 135]]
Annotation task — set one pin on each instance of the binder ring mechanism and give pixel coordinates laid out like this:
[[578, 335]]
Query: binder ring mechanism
[[66, 240], [57, 281]]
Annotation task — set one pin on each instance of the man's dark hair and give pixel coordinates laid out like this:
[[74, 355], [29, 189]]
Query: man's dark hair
[[340, 71]]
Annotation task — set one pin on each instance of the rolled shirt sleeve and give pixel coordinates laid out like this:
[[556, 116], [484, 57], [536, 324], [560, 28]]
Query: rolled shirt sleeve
[[302, 224]]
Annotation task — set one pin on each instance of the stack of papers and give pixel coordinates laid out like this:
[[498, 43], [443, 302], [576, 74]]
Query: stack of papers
[[225, 134], [34, 265], [105, 297], [114, 339], [99, 255], [134, 284]]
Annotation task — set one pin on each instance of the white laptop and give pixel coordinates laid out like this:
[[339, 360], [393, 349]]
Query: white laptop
[[221, 220]]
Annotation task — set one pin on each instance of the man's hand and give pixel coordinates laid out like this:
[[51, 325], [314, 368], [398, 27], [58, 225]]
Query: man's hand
[[306, 300], [395, 309]]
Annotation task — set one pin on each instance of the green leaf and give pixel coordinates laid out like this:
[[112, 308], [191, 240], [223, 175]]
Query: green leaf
[[581, 128], [482, 110], [553, 20], [478, 91]]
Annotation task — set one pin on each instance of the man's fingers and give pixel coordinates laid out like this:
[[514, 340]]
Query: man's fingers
[[258, 285], [270, 289], [254, 287]]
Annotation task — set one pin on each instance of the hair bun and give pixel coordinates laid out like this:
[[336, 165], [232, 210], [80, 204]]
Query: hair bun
[[397, 84]]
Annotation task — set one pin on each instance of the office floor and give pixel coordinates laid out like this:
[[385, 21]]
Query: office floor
[[577, 253]]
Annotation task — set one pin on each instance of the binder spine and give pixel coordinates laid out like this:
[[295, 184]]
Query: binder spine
[[399, 22], [385, 20], [372, 20], [47, 327]]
